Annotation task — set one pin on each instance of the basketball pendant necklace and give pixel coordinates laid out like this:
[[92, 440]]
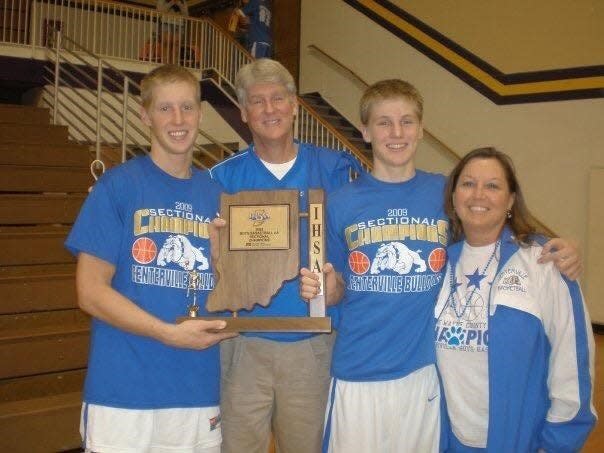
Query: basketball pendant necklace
[[453, 286]]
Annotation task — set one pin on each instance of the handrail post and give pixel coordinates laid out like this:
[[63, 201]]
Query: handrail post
[[94, 28], [99, 93], [124, 118], [55, 108], [33, 27]]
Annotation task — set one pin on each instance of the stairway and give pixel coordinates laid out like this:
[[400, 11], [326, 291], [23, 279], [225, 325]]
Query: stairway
[[43, 335], [333, 117]]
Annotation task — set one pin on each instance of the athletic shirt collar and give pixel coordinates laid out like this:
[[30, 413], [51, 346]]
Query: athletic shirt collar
[[157, 174], [293, 170], [369, 179]]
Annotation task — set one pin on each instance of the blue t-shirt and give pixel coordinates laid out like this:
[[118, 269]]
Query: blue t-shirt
[[154, 229], [388, 240], [315, 168]]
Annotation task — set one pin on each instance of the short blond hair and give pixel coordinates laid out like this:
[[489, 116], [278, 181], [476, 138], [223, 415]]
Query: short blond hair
[[390, 89], [263, 70], [168, 73]]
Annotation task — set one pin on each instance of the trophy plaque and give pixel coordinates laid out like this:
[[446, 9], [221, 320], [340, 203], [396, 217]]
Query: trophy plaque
[[259, 250]]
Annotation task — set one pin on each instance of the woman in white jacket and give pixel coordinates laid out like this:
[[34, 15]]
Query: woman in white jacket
[[513, 338]]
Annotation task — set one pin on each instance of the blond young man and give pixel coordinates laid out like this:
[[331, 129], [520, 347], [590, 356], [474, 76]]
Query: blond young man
[[387, 236], [276, 382], [152, 385]]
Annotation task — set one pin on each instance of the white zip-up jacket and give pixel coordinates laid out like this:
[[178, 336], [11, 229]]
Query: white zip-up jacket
[[540, 354]]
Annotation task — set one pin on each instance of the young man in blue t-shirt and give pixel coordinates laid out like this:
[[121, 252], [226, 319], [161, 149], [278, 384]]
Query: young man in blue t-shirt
[[387, 238], [142, 245]]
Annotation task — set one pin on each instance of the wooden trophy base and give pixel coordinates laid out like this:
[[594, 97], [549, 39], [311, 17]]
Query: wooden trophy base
[[270, 324]]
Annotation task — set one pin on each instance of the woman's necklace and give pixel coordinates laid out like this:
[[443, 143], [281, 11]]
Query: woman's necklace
[[474, 280]]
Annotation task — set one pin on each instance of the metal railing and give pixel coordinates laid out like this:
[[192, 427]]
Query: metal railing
[[101, 104], [14, 21], [311, 128], [123, 33], [119, 31], [454, 155]]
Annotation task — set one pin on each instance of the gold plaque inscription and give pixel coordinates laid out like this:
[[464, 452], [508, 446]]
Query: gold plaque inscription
[[259, 227]]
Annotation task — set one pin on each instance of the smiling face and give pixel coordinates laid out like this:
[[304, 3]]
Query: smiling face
[[394, 130], [173, 117], [269, 110], [482, 199]]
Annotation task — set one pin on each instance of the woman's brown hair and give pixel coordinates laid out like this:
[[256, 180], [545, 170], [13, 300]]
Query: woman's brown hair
[[521, 221]]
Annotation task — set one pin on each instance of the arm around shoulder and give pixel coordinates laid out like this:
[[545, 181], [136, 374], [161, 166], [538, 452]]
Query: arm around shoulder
[[566, 256]]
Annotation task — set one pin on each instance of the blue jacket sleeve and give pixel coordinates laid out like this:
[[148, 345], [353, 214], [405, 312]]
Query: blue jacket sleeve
[[571, 415]]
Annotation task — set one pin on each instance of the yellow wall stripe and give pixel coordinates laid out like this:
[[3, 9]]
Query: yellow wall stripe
[[551, 86]]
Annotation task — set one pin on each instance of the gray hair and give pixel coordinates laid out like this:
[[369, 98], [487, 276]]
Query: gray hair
[[263, 70]]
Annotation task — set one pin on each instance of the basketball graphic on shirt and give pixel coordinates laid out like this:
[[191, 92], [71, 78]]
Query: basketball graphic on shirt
[[475, 306], [144, 250], [437, 259], [359, 262]]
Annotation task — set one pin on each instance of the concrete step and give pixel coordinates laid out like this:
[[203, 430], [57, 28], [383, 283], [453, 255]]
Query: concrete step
[[33, 134], [41, 385], [41, 425], [24, 114], [29, 178], [36, 288], [63, 155], [33, 245], [38, 343], [36, 209]]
